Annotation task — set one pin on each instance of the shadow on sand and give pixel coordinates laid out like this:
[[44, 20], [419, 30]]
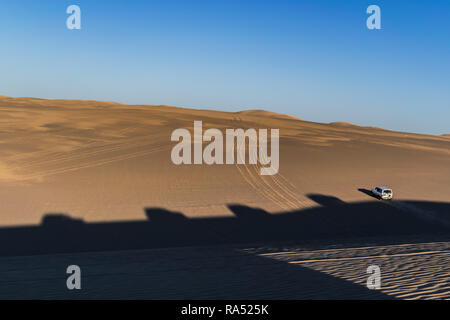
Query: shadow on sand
[[332, 221]]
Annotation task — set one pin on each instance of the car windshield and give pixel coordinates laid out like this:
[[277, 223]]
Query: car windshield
[[387, 191]]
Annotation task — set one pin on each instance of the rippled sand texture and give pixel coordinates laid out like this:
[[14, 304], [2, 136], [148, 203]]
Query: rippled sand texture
[[409, 271]]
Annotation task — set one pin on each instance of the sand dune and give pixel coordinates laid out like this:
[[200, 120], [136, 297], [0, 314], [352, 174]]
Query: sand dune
[[106, 162]]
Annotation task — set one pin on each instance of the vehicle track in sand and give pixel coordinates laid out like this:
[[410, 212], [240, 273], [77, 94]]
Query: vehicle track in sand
[[425, 214], [275, 188], [46, 163]]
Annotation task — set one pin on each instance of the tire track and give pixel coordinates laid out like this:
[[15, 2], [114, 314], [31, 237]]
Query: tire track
[[277, 189], [82, 152], [42, 174], [88, 156]]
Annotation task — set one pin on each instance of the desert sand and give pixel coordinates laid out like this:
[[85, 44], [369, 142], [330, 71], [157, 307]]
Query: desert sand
[[106, 166]]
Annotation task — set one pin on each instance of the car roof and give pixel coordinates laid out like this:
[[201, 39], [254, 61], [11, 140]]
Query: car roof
[[384, 188]]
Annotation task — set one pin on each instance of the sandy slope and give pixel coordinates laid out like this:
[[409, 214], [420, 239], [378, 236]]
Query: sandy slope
[[106, 162], [102, 161]]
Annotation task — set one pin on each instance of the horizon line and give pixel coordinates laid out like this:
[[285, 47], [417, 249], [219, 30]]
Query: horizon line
[[338, 122]]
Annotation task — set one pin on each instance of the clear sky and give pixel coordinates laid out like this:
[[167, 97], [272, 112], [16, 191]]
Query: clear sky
[[313, 59]]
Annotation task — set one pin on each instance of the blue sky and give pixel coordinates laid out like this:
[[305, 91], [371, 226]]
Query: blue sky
[[312, 59]]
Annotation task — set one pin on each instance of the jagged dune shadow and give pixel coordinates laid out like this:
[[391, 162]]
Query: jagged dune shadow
[[333, 219], [326, 201], [209, 264]]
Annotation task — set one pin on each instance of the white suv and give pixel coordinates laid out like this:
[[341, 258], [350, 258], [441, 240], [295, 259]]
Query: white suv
[[383, 193]]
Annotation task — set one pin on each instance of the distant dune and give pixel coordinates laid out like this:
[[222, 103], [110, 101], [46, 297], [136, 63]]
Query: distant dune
[[263, 113], [344, 124]]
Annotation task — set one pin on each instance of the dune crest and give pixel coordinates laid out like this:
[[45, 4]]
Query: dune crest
[[269, 114]]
